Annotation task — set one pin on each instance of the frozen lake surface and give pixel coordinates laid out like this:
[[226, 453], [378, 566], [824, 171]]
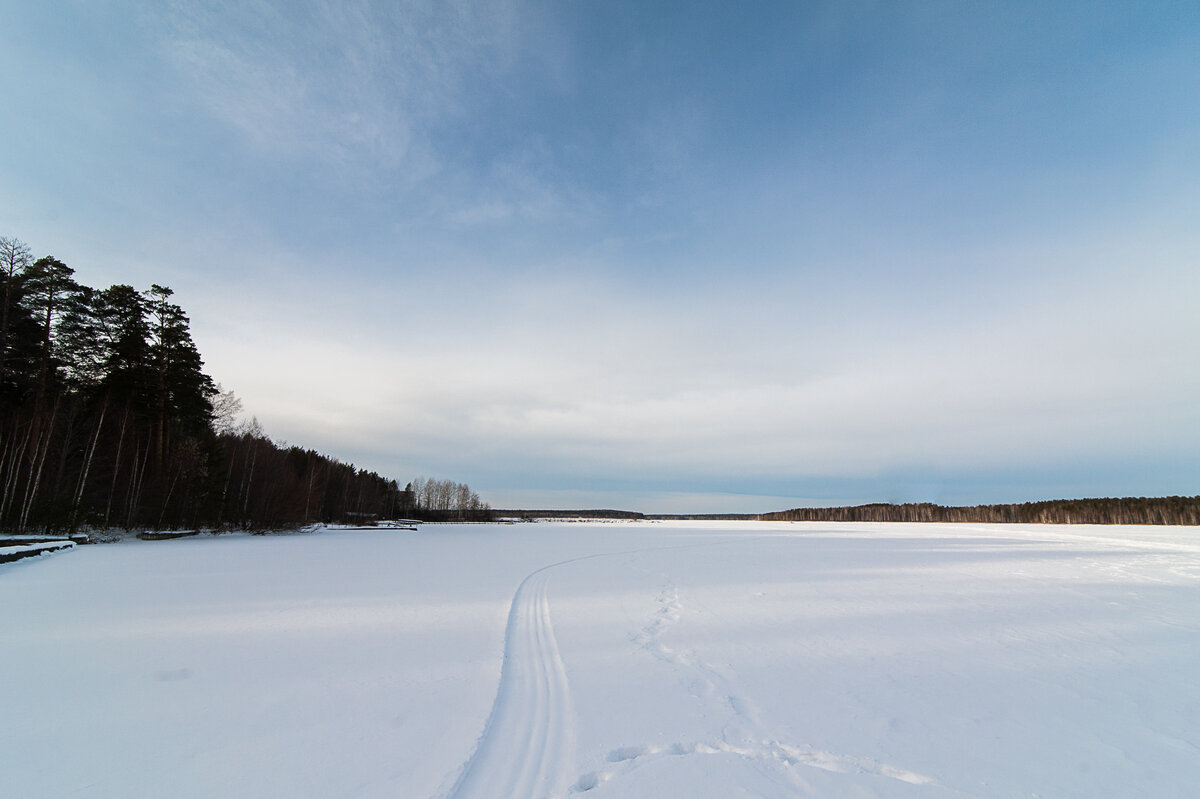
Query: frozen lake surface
[[609, 660]]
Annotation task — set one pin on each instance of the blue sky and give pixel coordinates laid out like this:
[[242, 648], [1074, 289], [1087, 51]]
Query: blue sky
[[661, 256]]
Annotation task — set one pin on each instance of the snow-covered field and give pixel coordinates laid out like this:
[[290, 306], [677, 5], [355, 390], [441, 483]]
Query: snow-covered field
[[609, 660]]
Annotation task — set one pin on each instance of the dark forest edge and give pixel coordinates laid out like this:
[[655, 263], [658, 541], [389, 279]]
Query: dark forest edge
[[108, 421], [1124, 510]]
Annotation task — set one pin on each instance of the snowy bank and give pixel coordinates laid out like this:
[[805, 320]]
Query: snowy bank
[[14, 552]]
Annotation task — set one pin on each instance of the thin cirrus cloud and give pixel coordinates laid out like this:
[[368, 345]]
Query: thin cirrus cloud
[[325, 80]]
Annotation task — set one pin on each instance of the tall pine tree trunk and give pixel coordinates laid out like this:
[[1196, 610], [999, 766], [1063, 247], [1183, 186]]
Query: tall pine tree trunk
[[112, 491], [36, 466], [87, 467], [137, 480], [10, 466]]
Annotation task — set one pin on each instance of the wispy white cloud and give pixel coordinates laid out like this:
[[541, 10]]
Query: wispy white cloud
[[342, 80]]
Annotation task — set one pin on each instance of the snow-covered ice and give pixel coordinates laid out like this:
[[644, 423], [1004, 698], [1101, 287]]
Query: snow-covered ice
[[609, 660]]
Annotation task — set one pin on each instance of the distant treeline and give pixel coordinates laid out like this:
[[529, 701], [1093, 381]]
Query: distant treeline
[[568, 514], [627, 515], [1127, 510], [624, 514], [704, 517], [107, 420]]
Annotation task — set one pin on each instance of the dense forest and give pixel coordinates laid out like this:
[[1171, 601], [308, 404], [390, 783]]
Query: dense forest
[[107, 420], [1127, 510]]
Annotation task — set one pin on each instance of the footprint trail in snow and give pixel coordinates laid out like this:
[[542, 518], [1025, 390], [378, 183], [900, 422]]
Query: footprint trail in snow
[[744, 734]]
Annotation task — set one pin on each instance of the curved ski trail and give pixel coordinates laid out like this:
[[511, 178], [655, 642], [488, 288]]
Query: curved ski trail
[[527, 747]]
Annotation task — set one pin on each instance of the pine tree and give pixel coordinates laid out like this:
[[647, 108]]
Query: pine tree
[[50, 290]]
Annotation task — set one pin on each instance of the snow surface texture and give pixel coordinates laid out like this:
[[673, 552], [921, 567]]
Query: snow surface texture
[[609, 660]]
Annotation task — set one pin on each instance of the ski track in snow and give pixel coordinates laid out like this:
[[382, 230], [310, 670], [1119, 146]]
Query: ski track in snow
[[527, 746]]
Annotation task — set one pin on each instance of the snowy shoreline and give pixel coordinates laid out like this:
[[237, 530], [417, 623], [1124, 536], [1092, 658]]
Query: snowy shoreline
[[10, 553]]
